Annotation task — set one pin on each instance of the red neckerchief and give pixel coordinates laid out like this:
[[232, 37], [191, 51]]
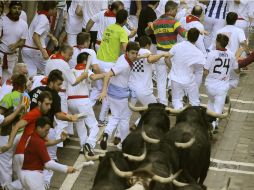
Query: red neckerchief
[[221, 49], [44, 13], [57, 56], [8, 82], [191, 18], [44, 81], [80, 66], [109, 13], [128, 60]]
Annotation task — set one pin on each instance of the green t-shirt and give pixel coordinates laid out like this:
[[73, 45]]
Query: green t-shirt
[[11, 100], [110, 49]]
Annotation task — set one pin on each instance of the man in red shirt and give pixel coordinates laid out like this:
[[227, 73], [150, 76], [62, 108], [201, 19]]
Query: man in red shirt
[[28, 122], [36, 157]]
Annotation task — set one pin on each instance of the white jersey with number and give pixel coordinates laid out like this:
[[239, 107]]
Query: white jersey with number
[[219, 64]]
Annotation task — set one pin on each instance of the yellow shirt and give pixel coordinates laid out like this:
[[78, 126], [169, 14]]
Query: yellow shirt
[[110, 48]]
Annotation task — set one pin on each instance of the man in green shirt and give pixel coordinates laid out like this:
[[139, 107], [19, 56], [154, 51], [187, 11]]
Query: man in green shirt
[[113, 44]]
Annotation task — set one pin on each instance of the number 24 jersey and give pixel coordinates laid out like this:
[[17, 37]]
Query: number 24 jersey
[[219, 64]]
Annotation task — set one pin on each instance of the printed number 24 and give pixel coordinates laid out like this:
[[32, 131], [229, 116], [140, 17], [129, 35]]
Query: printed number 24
[[220, 64]]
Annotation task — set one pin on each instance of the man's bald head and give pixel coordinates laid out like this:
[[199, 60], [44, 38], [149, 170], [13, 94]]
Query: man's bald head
[[197, 11]]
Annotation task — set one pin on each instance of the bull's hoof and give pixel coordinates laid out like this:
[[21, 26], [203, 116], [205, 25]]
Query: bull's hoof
[[104, 141], [116, 141]]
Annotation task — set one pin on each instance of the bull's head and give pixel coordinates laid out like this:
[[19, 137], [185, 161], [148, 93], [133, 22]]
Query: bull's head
[[146, 176]]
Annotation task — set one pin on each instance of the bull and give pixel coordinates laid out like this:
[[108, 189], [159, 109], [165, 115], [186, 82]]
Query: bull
[[191, 137]]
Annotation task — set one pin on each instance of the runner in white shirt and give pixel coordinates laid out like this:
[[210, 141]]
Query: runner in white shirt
[[39, 80], [60, 61], [116, 89], [185, 55], [218, 66], [236, 35], [13, 33], [91, 8], [103, 19], [74, 21], [34, 53], [193, 21], [79, 102], [241, 8], [140, 81]]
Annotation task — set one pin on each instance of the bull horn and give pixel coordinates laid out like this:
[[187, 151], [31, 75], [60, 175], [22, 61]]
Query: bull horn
[[137, 158], [179, 184], [217, 115], [118, 172], [167, 179], [185, 145], [93, 158], [149, 139], [137, 109], [175, 111]]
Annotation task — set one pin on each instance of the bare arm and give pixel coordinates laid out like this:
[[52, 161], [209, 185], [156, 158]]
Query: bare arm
[[89, 25], [55, 142], [66, 117], [123, 47], [139, 7], [133, 33], [37, 41], [97, 76], [108, 75], [12, 116], [245, 47], [79, 11], [20, 43], [96, 69], [79, 79], [157, 57]]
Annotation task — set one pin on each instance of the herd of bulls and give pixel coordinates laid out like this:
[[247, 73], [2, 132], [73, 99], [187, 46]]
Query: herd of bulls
[[157, 157]]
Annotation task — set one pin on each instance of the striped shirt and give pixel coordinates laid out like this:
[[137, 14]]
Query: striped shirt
[[217, 9], [165, 30]]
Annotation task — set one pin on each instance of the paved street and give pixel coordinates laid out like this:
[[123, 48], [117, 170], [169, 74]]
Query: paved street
[[232, 147]]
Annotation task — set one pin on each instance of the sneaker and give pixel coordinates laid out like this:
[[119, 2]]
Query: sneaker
[[104, 141], [81, 151], [89, 150]]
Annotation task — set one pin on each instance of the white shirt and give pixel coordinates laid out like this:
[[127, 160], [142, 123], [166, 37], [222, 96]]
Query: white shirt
[[122, 71], [241, 9], [82, 89], [63, 66], [194, 24], [74, 22], [91, 8], [77, 51], [141, 74], [219, 64], [37, 81], [11, 32], [39, 25], [236, 36], [103, 22], [185, 56], [6, 89]]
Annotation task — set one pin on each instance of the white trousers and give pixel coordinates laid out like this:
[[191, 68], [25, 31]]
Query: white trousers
[[63, 125], [216, 98], [83, 105], [32, 180], [18, 161], [162, 73], [212, 25], [120, 117], [198, 72], [6, 160], [34, 61], [72, 39], [179, 90], [144, 97], [11, 62]]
